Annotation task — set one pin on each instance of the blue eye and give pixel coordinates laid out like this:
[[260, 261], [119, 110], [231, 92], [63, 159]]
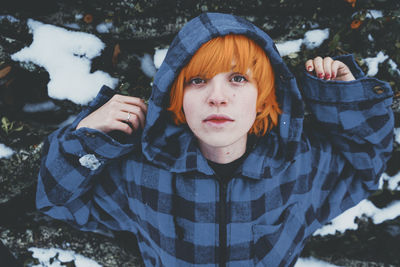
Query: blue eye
[[238, 79], [196, 81]]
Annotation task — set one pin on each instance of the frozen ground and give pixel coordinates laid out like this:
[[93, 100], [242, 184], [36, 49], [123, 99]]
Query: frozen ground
[[65, 54], [57, 258]]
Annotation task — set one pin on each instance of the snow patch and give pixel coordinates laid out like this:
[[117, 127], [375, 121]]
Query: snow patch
[[68, 121], [393, 182], [393, 65], [373, 63], [159, 57], [315, 38], [10, 18], [104, 27], [66, 55], [312, 39], [39, 107], [397, 135], [345, 221], [53, 257], [74, 26], [5, 151], [312, 262], [289, 47], [147, 66], [374, 14], [90, 161]]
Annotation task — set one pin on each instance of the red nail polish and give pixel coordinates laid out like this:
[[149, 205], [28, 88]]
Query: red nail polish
[[320, 75], [333, 76], [309, 68], [327, 76]]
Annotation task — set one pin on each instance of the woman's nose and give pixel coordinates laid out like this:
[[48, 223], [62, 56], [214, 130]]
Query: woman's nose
[[217, 95]]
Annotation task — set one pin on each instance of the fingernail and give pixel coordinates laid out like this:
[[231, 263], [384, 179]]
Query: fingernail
[[320, 75], [333, 76], [309, 68], [327, 76]]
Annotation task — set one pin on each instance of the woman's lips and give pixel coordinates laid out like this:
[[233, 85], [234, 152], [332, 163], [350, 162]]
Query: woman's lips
[[218, 119]]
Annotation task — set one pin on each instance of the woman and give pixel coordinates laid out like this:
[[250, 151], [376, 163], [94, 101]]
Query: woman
[[220, 169]]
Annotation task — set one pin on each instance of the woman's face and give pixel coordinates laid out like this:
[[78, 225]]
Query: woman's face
[[220, 111]]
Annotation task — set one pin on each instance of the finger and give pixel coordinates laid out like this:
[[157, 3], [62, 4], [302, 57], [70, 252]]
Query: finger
[[137, 121], [335, 68], [343, 69], [309, 65], [318, 66], [137, 111], [123, 127], [133, 101], [129, 118], [327, 63]]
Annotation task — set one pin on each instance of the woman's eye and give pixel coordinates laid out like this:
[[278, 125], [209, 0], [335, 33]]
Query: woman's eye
[[196, 81], [238, 79]]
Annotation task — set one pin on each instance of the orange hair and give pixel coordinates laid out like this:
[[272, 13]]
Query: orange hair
[[218, 55]]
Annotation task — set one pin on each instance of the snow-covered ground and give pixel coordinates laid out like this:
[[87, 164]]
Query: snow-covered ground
[[67, 55], [373, 63], [40, 107], [312, 262], [346, 221], [5, 152], [53, 257], [58, 258], [311, 40]]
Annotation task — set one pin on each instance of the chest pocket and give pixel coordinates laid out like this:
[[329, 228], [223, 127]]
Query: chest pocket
[[275, 244]]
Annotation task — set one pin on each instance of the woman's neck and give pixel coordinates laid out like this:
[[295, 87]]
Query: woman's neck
[[224, 154]]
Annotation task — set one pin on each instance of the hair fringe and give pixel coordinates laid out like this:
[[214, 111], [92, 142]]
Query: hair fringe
[[245, 54]]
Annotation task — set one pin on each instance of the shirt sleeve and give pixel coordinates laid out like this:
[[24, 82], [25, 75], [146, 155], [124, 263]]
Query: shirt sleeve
[[81, 168], [351, 138]]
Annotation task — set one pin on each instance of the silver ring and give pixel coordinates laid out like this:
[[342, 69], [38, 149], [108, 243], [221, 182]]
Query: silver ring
[[129, 116]]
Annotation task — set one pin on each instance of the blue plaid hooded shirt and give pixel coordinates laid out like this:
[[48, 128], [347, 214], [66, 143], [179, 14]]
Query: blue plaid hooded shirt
[[160, 187]]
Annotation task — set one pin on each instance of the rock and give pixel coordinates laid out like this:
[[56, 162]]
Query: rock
[[370, 245], [18, 174], [355, 263], [393, 164], [7, 258], [33, 229]]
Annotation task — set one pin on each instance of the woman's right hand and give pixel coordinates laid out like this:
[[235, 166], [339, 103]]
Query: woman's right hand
[[121, 113]]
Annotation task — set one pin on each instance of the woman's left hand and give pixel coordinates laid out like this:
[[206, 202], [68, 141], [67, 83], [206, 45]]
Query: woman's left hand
[[329, 69]]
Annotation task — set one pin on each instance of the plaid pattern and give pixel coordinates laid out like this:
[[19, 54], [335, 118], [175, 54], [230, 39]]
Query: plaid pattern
[[160, 187]]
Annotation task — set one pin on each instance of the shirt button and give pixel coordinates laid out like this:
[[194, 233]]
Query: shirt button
[[378, 89]]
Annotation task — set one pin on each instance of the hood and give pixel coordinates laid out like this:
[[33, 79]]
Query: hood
[[174, 147]]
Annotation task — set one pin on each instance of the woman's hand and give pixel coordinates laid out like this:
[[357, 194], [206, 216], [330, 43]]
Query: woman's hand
[[121, 113], [329, 69]]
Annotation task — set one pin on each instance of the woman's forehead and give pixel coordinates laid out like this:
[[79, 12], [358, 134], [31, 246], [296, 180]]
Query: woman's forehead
[[213, 68]]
